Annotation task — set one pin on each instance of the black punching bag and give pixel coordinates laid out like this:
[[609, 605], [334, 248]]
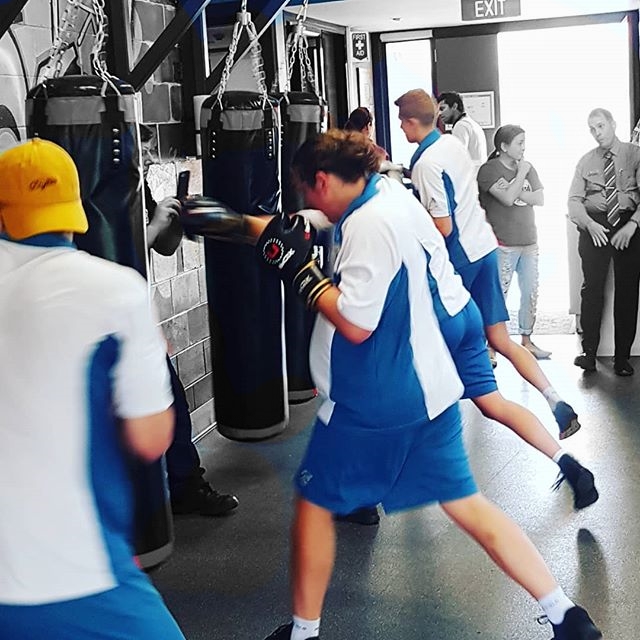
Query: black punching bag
[[240, 146], [96, 125], [302, 115]]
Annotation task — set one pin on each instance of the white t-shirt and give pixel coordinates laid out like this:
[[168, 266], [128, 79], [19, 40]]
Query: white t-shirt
[[445, 179], [403, 372], [471, 134], [80, 349]]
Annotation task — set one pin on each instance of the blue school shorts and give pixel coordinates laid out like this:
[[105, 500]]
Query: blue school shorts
[[482, 280], [133, 610], [346, 468], [464, 335]]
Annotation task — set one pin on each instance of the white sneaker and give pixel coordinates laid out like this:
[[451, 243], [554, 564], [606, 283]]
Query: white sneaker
[[537, 352]]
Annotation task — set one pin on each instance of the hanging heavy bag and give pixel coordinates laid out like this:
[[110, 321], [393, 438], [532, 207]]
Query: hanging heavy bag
[[240, 167], [95, 123], [302, 115]]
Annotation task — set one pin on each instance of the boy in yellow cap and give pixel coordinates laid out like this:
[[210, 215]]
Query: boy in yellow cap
[[83, 387]]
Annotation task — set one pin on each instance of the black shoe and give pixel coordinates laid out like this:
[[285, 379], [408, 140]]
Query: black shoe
[[366, 516], [204, 500], [567, 419], [577, 625], [284, 633], [586, 361], [622, 367], [580, 480]]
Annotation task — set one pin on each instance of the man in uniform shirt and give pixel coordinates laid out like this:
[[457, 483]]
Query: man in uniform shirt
[[603, 204], [466, 129]]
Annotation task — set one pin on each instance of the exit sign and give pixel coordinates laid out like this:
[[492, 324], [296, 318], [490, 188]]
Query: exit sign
[[484, 9]]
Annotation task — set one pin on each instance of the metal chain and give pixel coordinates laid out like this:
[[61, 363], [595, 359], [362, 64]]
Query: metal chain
[[228, 63], [97, 52], [299, 46], [257, 62], [243, 20], [65, 37], [307, 63]]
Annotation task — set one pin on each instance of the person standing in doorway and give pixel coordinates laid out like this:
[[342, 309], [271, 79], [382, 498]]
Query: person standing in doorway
[[463, 127], [604, 200], [445, 179], [509, 188]]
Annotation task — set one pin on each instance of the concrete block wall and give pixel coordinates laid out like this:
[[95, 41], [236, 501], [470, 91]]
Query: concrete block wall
[[178, 285]]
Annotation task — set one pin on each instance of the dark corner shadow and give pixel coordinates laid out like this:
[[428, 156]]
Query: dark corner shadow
[[593, 577]]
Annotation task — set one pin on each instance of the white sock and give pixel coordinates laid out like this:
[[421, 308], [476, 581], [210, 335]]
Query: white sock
[[555, 605], [552, 397], [559, 455], [304, 629]]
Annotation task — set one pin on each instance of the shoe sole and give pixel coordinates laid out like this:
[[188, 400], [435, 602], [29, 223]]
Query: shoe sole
[[574, 427]]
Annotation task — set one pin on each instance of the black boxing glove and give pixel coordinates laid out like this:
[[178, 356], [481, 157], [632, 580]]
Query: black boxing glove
[[214, 219], [286, 244]]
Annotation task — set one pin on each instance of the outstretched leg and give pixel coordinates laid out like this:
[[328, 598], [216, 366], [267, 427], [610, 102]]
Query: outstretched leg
[[520, 420], [527, 366], [512, 551]]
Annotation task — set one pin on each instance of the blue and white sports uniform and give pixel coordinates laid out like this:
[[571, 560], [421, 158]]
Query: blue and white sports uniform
[[388, 429], [80, 349], [444, 177], [458, 316]]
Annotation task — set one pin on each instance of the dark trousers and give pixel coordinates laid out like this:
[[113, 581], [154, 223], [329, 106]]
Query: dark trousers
[[183, 461], [626, 270]]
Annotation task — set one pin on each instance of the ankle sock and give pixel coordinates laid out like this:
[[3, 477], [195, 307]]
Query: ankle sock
[[304, 629], [552, 397], [555, 605], [559, 455]]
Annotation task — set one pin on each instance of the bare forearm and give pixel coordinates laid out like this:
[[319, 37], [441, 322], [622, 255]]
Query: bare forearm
[[534, 198], [578, 214], [327, 305]]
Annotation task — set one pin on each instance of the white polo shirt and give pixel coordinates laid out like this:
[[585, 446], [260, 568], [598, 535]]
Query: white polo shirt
[[80, 349], [471, 134], [445, 179], [403, 372]]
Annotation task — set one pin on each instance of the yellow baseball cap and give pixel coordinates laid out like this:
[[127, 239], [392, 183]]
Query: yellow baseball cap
[[40, 191]]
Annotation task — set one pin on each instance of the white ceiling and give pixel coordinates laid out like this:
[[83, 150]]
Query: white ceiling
[[378, 15]]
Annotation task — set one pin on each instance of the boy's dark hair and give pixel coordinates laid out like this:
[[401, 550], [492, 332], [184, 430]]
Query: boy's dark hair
[[451, 98], [348, 154]]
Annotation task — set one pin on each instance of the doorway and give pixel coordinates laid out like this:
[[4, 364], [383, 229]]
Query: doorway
[[549, 81]]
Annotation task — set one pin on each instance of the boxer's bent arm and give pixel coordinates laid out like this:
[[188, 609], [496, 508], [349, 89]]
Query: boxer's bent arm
[[327, 305]]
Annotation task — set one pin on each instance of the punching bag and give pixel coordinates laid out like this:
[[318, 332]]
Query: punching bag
[[240, 146], [302, 116], [96, 125]]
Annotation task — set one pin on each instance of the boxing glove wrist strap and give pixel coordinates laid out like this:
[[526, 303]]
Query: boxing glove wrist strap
[[310, 283]]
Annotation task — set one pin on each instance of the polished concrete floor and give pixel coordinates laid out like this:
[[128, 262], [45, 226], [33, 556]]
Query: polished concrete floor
[[416, 576]]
